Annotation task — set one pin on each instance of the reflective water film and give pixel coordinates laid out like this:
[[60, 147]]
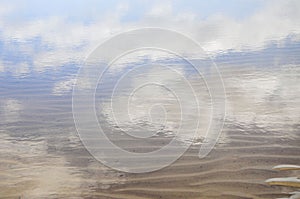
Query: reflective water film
[[149, 99]]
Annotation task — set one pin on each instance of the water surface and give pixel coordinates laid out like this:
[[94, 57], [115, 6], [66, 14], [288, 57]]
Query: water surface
[[41, 155]]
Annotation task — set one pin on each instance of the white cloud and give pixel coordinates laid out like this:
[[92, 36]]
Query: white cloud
[[159, 100], [163, 8], [16, 69], [63, 87], [275, 21], [71, 41], [255, 96], [10, 109], [5, 9]]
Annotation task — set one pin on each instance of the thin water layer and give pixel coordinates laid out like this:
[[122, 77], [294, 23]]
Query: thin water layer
[[148, 98]]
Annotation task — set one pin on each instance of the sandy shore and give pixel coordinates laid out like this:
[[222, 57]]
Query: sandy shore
[[237, 168]]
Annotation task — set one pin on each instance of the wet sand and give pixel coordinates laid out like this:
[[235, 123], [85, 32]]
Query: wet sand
[[238, 168], [235, 170], [42, 157]]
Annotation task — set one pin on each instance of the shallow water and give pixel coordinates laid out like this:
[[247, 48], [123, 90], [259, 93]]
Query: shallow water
[[42, 156]]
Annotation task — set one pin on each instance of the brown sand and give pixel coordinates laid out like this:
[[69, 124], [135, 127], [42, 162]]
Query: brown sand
[[237, 169]]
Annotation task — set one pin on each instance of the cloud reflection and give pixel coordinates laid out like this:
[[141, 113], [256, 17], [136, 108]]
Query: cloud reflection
[[67, 41], [10, 110]]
